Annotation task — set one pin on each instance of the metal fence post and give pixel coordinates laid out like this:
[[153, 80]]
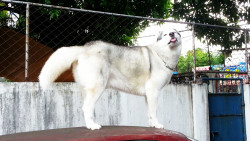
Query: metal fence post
[[27, 42], [194, 62], [246, 55]]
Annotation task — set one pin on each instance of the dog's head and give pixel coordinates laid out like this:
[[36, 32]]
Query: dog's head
[[171, 38]]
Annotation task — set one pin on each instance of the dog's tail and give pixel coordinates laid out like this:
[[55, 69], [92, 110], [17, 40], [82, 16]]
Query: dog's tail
[[60, 61]]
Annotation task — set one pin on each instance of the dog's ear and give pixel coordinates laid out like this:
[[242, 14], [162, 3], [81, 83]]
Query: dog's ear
[[177, 32], [159, 36]]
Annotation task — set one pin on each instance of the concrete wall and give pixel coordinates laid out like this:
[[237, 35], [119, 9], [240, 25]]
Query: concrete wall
[[25, 107], [247, 109], [200, 112]]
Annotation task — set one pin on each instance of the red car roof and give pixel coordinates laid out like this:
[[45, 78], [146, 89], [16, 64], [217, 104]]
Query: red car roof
[[108, 133]]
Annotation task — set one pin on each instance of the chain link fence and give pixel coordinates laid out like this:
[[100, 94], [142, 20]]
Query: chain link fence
[[31, 32]]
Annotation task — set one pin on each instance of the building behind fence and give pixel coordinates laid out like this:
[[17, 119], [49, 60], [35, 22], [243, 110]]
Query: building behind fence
[[31, 32]]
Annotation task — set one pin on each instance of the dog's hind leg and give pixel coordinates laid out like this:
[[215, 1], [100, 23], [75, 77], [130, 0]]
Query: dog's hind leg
[[151, 97], [91, 97], [91, 73]]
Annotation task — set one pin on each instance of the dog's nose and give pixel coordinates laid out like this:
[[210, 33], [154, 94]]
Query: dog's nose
[[171, 34]]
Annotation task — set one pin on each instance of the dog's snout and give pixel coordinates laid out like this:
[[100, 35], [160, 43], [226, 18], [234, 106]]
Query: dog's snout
[[171, 34]]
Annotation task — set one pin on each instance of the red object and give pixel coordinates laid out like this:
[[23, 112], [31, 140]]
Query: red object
[[108, 133]]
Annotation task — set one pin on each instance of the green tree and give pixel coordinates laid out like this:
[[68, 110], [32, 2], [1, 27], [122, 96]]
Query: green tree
[[4, 16], [185, 63], [56, 27], [215, 12]]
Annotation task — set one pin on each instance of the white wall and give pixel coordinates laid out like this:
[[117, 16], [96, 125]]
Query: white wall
[[200, 112], [25, 107]]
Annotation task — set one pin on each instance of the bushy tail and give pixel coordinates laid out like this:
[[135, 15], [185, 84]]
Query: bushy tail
[[59, 61]]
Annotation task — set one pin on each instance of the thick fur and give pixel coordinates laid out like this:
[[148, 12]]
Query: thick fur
[[99, 65]]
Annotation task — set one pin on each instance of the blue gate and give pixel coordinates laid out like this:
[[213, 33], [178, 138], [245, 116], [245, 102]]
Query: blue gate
[[226, 109]]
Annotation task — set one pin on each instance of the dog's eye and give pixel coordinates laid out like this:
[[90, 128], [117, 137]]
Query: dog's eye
[[165, 34]]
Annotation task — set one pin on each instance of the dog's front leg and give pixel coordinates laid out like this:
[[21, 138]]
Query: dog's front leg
[[151, 97]]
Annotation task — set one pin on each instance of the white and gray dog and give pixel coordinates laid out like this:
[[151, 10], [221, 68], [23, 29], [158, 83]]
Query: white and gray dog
[[99, 65]]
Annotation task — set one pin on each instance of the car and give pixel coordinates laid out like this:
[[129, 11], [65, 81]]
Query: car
[[106, 133]]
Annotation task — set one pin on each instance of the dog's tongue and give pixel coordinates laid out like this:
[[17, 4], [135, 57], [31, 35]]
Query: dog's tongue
[[173, 39]]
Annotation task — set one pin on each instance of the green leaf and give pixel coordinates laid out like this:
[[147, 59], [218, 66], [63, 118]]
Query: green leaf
[[2, 4], [47, 2], [54, 13]]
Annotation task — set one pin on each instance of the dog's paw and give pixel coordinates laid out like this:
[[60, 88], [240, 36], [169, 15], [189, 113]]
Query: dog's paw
[[94, 126], [156, 125]]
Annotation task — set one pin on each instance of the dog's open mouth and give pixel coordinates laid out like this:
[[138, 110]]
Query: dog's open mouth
[[173, 40]]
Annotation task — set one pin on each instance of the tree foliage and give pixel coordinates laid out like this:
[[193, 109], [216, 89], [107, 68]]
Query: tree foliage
[[215, 12], [185, 63], [3, 16], [56, 27]]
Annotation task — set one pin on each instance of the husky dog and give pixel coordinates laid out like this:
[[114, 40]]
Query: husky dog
[[100, 65]]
